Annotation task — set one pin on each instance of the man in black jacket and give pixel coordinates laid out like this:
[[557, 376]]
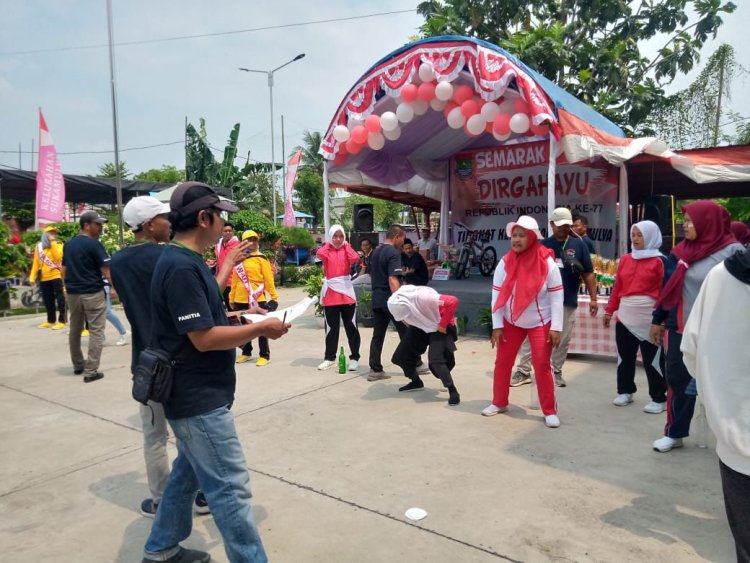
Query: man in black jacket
[[413, 266]]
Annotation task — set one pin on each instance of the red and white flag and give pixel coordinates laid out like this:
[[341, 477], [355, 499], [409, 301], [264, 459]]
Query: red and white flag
[[291, 176], [50, 187]]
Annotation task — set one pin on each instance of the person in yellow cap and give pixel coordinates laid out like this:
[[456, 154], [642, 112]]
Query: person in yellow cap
[[46, 267], [252, 279]]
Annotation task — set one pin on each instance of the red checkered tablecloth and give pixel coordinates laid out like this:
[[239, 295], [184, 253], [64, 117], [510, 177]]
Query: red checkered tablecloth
[[589, 334]]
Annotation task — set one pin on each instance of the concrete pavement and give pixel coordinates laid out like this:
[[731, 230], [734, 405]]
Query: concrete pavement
[[335, 461]]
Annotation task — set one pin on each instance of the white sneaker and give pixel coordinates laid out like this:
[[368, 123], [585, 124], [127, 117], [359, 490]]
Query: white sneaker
[[353, 365], [623, 399], [655, 408], [492, 410], [325, 364], [122, 340], [552, 421], [666, 443], [423, 369]]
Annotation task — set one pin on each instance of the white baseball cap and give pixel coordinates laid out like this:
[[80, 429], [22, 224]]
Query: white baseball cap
[[526, 222], [141, 209], [561, 216]]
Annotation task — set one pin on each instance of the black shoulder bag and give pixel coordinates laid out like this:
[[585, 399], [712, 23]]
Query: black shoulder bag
[[153, 375]]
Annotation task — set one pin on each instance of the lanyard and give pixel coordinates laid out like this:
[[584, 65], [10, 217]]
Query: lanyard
[[200, 258]]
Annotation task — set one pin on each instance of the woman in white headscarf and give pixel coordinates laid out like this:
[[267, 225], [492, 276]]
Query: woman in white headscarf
[[337, 296], [637, 286]]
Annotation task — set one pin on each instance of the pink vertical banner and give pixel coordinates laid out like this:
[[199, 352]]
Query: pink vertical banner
[[291, 176], [50, 187]]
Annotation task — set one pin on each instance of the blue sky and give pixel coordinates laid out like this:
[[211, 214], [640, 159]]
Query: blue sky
[[159, 84]]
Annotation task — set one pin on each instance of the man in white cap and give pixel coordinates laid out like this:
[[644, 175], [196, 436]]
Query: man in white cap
[[573, 258]]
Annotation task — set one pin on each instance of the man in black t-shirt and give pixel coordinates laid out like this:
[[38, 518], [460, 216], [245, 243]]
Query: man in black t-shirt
[[190, 323], [85, 262], [574, 261], [580, 228], [413, 266], [385, 271]]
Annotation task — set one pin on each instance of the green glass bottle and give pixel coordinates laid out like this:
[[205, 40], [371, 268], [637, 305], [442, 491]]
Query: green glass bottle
[[342, 361]]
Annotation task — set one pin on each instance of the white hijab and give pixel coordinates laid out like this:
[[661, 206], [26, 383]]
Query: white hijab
[[332, 231], [651, 240], [416, 305]]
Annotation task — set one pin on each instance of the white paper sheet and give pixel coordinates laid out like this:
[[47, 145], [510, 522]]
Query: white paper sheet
[[291, 313]]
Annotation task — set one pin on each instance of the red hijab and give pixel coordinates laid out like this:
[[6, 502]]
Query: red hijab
[[711, 222], [526, 272], [740, 232]]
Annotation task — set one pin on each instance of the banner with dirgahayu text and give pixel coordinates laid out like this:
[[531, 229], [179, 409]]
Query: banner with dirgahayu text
[[492, 187]]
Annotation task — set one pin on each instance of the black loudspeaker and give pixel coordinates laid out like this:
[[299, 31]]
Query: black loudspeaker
[[363, 219], [660, 210], [357, 238]]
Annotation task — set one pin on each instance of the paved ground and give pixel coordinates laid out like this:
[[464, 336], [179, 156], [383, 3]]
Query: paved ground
[[335, 461]]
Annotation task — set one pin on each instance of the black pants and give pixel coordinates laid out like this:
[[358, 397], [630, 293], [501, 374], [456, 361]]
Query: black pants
[[736, 487], [334, 314], [247, 349], [225, 295], [680, 406], [440, 356], [52, 293], [381, 317], [627, 350]]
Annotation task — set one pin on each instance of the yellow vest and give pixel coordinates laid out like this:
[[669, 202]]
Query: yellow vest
[[259, 271], [54, 253]]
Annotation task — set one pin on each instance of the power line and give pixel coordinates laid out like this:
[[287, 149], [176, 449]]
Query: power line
[[180, 142], [200, 35]]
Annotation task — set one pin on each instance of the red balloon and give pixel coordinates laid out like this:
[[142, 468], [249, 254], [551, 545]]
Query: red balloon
[[426, 91], [469, 108], [359, 135], [520, 106], [352, 146], [342, 148], [340, 158], [372, 123], [448, 107], [462, 93], [409, 93], [488, 128], [501, 124], [541, 129]]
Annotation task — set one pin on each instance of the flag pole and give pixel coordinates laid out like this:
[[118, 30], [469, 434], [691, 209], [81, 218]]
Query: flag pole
[[118, 180]]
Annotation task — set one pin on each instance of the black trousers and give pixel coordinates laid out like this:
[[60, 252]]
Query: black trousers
[[680, 406], [736, 487], [52, 293], [627, 350], [440, 357], [381, 318], [334, 315], [247, 349], [225, 295]]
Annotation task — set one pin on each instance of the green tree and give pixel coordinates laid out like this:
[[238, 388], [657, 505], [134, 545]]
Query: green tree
[[385, 213], [311, 157], [248, 219], [167, 174], [108, 170], [254, 189], [592, 48], [200, 164], [308, 189]]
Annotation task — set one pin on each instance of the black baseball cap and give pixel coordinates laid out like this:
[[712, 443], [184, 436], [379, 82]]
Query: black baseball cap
[[91, 217], [190, 197]]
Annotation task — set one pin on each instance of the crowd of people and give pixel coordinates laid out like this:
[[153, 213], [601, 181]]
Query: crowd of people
[[667, 307]]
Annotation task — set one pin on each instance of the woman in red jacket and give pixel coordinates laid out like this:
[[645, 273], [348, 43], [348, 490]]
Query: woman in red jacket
[[637, 286], [337, 296]]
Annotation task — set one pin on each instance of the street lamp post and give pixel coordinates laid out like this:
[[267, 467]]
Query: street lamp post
[[269, 73]]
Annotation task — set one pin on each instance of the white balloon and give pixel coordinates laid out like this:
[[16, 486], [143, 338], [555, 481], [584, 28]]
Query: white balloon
[[388, 121], [519, 123], [353, 122], [420, 107], [437, 105], [444, 91], [456, 119], [405, 112], [425, 72], [501, 137], [489, 111], [393, 134], [476, 124], [341, 133], [375, 141]]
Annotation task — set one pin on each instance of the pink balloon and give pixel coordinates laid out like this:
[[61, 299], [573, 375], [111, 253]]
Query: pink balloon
[[340, 158], [520, 106], [372, 123], [469, 108], [501, 124], [354, 147], [489, 126], [448, 107], [342, 148], [359, 135], [541, 129], [409, 93], [462, 93], [426, 91]]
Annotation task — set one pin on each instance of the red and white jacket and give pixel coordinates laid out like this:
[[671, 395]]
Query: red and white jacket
[[546, 308], [337, 262]]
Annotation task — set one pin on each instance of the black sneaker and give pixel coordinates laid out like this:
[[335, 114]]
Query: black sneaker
[[183, 556], [78, 371], [453, 397], [413, 385], [201, 506], [88, 378], [148, 508]]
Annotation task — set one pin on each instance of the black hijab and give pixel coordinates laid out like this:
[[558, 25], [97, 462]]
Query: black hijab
[[739, 266]]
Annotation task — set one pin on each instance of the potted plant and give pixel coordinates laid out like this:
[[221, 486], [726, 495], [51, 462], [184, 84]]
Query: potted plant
[[364, 309], [313, 285], [298, 242]]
